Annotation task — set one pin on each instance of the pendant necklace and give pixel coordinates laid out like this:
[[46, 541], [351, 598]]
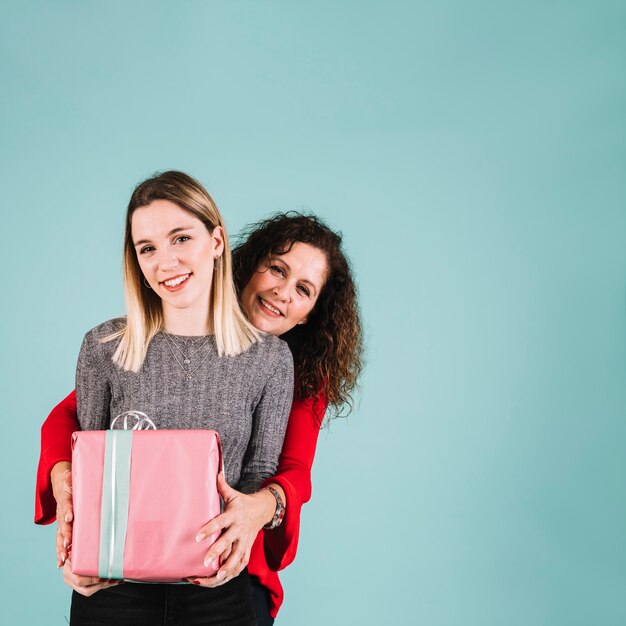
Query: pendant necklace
[[186, 358]]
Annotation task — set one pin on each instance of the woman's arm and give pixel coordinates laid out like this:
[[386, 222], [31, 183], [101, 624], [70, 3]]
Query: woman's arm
[[56, 448], [93, 388], [56, 432], [275, 548], [245, 515], [54, 481], [278, 546], [268, 424], [93, 402]]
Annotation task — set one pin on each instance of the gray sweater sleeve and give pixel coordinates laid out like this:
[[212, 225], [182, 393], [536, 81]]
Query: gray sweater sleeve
[[269, 424], [93, 389]]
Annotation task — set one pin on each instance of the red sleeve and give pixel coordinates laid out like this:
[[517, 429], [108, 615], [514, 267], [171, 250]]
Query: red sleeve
[[294, 476], [56, 445]]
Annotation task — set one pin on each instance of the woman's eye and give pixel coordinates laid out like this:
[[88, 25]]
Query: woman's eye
[[277, 269], [182, 239], [304, 290], [146, 249]]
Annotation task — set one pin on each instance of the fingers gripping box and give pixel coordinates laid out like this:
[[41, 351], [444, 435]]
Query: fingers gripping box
[[140, 497]]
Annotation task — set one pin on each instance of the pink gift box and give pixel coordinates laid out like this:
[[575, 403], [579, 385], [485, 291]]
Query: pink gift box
[[140, 498]]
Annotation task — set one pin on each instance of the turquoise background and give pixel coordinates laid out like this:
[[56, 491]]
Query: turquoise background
[[473, 154]]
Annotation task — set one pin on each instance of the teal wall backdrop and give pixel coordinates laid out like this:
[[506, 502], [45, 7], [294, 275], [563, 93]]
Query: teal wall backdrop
[[473, 154]]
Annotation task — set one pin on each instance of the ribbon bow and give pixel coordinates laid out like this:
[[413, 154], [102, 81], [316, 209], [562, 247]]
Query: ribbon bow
[[141, 421]]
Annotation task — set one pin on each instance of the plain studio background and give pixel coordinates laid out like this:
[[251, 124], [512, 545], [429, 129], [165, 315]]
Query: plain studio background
[[473, 154]]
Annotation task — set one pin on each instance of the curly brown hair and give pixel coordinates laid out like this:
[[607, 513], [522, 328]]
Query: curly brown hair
[[327, 350]]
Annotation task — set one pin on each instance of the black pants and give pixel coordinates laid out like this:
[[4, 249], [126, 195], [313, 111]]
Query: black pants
[[261, 603], [136, 604]]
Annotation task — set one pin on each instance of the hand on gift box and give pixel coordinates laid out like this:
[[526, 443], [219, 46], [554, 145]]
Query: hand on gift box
[[85, 585], [243, 517], [61, 479]]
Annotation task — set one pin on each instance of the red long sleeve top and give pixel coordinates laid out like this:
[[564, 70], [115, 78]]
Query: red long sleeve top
[[273, 550]]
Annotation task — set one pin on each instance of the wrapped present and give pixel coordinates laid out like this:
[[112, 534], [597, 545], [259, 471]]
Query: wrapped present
[[140, 497]]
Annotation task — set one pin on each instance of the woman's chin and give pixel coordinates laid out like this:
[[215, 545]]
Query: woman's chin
[[263, 323]]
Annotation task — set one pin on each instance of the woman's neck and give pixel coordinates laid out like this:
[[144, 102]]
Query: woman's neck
[[190, 322]]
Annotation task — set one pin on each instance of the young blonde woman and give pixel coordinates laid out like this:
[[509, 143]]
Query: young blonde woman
[[187, 357], [294, 281]]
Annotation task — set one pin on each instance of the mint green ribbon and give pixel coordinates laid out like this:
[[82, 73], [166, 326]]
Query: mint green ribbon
[[115, 496]]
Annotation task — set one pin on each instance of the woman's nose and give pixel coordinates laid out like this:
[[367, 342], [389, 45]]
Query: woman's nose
[[281, 292], [168, 260]]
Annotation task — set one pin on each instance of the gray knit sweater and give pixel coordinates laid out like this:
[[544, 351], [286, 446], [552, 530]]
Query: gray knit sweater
[[246, 398]]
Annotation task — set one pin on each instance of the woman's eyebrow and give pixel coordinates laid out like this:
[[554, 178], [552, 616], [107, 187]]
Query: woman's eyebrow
[[172, 232]]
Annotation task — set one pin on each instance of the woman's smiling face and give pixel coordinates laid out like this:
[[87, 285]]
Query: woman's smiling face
[[176, 253], [284, 288]]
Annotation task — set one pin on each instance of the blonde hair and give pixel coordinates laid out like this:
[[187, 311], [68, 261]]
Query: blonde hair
[[233, 332]]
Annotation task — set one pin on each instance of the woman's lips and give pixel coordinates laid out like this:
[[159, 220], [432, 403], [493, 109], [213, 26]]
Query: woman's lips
[[176, 283]]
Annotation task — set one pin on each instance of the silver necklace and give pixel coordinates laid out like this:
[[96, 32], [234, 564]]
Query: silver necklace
[[186, 360], [187, 357]]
